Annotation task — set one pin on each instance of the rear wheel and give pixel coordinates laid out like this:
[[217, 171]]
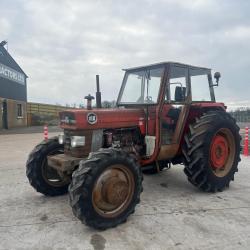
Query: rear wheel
[[212, 151], [42, 177], [105, 188]]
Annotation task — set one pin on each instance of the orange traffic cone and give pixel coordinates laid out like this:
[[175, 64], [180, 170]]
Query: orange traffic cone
[[245, 152], [45, 132]]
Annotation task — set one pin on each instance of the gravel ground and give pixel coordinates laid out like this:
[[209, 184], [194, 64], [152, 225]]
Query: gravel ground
[[172, 213]]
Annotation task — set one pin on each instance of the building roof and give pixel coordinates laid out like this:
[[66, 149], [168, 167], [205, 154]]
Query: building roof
[[13, 83], [8, 60]]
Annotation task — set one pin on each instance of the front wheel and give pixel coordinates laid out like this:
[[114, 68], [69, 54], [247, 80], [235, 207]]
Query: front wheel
[[105, 188], [42, 177], [212, 151]]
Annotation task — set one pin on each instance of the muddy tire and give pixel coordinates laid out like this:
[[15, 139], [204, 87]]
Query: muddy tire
[[105, 188], [43, 178], [211, 151]]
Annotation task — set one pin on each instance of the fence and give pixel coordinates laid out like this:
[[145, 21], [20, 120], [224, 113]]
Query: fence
[[39, 113], [241, 115]]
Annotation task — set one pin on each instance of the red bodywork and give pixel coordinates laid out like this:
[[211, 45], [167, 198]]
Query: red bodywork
[[106, 118], [126, 118]]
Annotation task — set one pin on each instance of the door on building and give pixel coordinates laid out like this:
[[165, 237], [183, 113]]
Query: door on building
[[5, 114]]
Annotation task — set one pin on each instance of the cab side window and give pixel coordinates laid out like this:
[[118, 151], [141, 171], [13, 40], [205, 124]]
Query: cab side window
[[200, 85], [178, 84]]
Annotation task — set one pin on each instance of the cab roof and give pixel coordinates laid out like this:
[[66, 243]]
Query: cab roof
[[155, 65]]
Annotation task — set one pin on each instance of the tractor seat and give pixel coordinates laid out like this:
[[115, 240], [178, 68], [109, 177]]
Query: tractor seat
[[173, 114]]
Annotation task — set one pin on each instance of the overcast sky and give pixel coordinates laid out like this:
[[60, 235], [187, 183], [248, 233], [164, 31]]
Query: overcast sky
[[63, 44]]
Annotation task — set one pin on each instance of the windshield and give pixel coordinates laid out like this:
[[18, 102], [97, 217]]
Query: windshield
[[141, 87]]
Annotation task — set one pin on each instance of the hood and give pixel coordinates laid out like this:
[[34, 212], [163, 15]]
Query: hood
[[100, 118]]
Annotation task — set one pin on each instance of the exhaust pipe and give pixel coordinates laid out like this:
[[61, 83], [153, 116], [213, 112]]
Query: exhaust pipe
[[98, 93]]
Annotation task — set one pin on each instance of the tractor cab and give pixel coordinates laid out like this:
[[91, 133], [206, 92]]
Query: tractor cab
[[143, 85], [170, 94]]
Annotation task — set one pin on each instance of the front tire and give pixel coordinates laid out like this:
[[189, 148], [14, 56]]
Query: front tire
[[43, 178], [211, 151], [105, 188]]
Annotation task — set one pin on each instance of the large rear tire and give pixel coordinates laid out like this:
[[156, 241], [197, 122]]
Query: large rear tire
[[211, 151], [105, 188], [42, 177]]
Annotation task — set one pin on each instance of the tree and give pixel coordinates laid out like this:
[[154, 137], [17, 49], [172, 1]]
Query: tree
[[109, 104]]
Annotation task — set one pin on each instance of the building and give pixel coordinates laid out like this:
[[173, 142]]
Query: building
[[13, 92]]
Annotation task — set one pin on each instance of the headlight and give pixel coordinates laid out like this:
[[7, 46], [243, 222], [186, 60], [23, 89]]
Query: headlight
[[77, 141], [61, 139]]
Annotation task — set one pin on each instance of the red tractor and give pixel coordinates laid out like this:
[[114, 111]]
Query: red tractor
[[166, 114]]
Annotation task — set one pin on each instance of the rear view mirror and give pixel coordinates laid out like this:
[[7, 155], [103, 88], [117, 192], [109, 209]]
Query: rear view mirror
[[217, 77]]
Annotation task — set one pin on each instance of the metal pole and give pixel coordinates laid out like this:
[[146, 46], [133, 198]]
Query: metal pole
[[98, 93]]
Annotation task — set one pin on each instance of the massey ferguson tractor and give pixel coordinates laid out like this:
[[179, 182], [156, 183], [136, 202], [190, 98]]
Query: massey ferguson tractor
[[166, 114]]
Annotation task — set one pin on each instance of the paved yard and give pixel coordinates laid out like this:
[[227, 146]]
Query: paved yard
[[172, 213]]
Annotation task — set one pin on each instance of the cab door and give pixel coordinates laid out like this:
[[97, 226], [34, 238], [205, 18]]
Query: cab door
[[174, 111], [173, 108]]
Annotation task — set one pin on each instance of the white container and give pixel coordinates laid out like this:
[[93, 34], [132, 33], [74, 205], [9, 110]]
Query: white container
[[150, 144]]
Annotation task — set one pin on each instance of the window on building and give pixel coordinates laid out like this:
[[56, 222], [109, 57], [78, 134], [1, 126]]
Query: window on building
[[19, 110]]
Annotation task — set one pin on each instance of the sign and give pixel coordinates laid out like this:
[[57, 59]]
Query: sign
[[12, 74], [91, 118]]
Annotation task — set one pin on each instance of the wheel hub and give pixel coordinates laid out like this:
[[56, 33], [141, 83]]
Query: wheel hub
[[113, 190], [219, 151]]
